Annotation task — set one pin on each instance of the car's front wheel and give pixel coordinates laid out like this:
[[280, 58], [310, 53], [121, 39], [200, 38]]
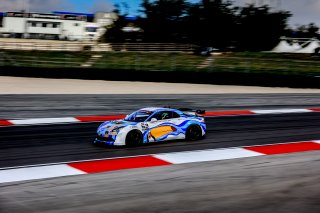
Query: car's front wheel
[[193, 133], [134, 138]]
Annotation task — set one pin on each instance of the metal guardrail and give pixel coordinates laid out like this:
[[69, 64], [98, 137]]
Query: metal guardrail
[[95, 47]]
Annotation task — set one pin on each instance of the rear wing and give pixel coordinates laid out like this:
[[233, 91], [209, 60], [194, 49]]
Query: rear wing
[[196, 112]]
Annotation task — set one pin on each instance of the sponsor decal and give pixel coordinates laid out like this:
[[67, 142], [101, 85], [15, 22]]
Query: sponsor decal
[[161, 131]]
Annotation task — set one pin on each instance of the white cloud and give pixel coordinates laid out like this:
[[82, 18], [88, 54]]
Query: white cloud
[[101, 6], [304, 11], [52, 5]]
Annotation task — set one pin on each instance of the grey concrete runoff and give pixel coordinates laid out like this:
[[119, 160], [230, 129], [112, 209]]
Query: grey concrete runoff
[[278, 183], [23, 85]]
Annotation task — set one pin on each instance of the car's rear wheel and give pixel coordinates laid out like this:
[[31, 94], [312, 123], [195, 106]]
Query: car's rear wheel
[[134, 138], [193, 133]]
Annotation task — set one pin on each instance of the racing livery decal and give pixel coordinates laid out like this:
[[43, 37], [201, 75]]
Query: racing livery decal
[[152, 125]]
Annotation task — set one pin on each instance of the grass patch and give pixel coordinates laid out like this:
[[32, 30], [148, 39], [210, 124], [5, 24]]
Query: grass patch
[[245, 62]]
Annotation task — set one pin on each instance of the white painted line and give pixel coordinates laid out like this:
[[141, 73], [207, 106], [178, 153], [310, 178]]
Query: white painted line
[[317, 141], [280, 111], [44, 121], [206, 155], [34, 173]]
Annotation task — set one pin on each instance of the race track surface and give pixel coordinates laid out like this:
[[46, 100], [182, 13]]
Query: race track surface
[[27, 145], [44, 106], [277, 183]]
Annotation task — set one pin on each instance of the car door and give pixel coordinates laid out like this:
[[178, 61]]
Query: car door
[[161, 127]]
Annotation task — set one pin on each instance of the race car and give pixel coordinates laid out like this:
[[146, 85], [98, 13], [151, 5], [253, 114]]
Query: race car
[[153, 124]]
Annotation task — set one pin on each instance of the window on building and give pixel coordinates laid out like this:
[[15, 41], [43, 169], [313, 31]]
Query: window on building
[[76, 24], [44, 24], [55, 25], [91, 29], [33, 24]]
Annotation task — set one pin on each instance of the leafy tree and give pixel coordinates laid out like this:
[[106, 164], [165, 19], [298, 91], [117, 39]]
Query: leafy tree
[[212, 23], [215, 23], [259, 29], [163, 19], [114, 33], [305, 31]]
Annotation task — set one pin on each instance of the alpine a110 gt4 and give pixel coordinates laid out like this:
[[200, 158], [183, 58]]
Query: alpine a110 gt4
[[153, 124]]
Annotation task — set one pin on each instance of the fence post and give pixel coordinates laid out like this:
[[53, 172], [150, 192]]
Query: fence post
[[2, 59], [137, 61], [173, 62]]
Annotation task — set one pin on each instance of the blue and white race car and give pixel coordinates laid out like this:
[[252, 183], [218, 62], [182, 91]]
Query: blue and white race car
[[152, 124]]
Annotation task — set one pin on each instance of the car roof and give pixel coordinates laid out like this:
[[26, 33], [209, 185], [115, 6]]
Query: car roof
[[154, 109]]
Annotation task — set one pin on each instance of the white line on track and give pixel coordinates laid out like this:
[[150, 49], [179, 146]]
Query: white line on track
[[44, 121], [206, 155], [281, 111], [35, 173]]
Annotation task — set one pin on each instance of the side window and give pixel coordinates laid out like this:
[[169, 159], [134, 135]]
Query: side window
[[175, 115], [158, 116], [163, 115]]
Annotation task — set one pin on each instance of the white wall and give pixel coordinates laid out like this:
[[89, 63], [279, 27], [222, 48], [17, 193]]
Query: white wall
[[13, 25], [43, 30], [73, 30], [67, 29]]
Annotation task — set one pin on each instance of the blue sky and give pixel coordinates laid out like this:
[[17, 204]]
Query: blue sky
[[304, 11], [84, 5]]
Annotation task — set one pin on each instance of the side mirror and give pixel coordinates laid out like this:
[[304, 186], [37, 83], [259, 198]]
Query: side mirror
[[153, 119]]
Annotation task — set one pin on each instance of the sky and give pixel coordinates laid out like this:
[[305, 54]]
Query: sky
[[304, 11]]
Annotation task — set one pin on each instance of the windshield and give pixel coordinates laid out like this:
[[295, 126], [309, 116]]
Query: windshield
[[138, 116]]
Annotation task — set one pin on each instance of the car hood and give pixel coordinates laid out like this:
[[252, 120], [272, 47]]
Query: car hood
[[111, 125]]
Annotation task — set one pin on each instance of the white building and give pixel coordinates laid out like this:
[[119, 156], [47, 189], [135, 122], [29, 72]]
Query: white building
[[50, 26]]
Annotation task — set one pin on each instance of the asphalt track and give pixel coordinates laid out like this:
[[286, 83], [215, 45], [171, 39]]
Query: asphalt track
[[44, 106], [28, 145], [280, 183]]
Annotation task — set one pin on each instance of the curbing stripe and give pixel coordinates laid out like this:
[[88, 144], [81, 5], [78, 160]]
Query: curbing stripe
[[5, 123], [104, 165], [35, 173], [99, 118], [315, 109], [281, 111], [285, 148], [118, 164], [77, 119], [44, 121], [225, 113], [206, 155]]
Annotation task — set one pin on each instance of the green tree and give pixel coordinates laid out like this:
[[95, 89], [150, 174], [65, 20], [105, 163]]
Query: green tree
[[212, 23], [114, 33], [260, 29], [163, 19]]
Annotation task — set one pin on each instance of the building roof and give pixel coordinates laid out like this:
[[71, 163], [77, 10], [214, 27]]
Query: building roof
[[91, 15]]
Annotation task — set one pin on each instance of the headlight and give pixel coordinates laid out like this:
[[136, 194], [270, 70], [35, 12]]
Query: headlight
[[117, 129]]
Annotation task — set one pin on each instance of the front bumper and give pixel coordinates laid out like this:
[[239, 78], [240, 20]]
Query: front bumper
[[105, 140]]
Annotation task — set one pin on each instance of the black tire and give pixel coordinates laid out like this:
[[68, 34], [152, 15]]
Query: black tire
[[97, 144], [193, 133], [134, 138]]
